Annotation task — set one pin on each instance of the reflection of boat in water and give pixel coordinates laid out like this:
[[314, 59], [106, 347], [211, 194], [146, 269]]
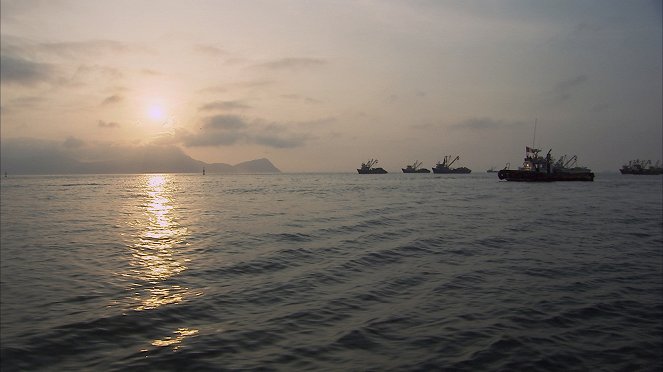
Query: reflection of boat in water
[[367, 168], [539, 169], [445, 166], [414, 168], [641, 167]]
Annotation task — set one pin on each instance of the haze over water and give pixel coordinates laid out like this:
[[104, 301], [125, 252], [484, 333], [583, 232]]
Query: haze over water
[[330, 272], [322, 86]]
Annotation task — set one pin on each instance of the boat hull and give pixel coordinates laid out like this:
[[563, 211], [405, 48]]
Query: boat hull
[[421, 170], [451, 171], [529, 176], [372, 171], [646, 172]]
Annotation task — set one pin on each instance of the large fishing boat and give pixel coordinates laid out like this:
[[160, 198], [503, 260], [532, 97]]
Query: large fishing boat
[[641, 167], [367, 168], [445, 166], [544, 169], [414, 168]]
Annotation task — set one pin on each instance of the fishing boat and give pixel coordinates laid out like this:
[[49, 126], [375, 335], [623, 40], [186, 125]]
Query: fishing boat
[[367, 168], [491, 170], [641, 167], [414, 168], [537, 168], [445, 166]]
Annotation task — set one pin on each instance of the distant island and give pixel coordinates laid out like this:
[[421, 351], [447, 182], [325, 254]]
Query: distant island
[[44, 157]]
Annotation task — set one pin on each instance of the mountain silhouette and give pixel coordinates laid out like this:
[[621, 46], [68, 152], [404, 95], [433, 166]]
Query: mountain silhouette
[[32, 156]]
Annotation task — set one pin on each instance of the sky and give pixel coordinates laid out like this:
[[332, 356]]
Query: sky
[[322, 86]]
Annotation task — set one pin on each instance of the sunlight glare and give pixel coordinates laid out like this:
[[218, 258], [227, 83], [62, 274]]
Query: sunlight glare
[[154, 252], [156, 112]]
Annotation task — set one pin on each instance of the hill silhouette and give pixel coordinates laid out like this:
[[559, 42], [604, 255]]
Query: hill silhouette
[[31, 156]]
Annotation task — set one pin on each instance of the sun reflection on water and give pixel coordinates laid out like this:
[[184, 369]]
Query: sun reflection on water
[[180, 334], [154, 251]]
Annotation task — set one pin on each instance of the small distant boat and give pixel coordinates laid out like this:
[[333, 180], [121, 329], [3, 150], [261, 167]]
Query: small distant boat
[[491, 170], [445, 167], [414, 168], [641, 167], [543, 169], [367, 168], [203, 171]]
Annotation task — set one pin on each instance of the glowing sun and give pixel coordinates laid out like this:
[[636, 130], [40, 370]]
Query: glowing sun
[[156, 112]]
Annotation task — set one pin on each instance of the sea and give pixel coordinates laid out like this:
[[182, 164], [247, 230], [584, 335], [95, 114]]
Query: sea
[[330, 272]]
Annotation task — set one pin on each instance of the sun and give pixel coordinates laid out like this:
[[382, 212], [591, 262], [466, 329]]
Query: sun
[[156, 112]]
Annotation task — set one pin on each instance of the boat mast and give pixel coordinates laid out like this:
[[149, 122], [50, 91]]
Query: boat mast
[[534, 137]]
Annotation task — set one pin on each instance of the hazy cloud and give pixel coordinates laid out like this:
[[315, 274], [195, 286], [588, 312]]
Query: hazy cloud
[[98, 70], [90, 48], [298, 97], [279, 138], [481, 124], [209, 50], [601, 107], [150, 72], [563, 90], [223, 105], [115, 98], [73, 143], [105, 124], [213, 139], [250, 84], [225, 130], [292, 63], [27, 102], [91, 74], [323, 122], [224, 122], [16, 70]]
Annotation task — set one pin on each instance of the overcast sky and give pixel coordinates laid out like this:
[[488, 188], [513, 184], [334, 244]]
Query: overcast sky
[[326, 85]]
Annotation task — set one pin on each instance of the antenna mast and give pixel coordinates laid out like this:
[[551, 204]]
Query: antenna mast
[[534, 137]]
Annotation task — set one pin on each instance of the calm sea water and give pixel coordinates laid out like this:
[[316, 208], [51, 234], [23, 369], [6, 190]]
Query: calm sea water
[[330, 272]]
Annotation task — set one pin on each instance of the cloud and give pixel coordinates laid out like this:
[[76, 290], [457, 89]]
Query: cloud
[[564, 89], [213, 139], [223, 105], [90, 48], [279, 141], [27, 102], [209, 50], [16, 70], [150, 72], [250, 84], [224, 122], [104, 124], [115, 98], [300, 98], [225, 130], [482, 124], [84, 72], [73, 143], [320, 122], [292, 63]]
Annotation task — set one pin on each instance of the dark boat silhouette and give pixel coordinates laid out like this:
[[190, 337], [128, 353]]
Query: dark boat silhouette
[[544, 169], [641, 167], [445, 167], [367, 168], [414, 168]]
